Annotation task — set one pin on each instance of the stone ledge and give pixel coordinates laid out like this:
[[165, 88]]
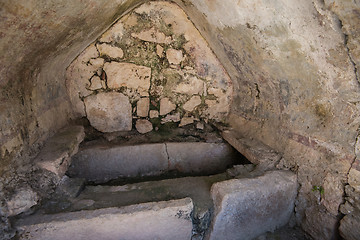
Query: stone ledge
[[155, 220], [58, 150], [255, 151]]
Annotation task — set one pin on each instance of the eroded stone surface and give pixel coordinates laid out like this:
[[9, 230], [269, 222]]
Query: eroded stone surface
[[247, 208], [56, 155], [109, 112], [21, 201], [157, 220], [128, 75]]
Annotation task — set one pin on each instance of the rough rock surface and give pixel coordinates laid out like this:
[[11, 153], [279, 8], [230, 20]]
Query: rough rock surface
[[157, 220], [166, 106], [128, 75], [56, 155], [247, 208], [143, 126], [109, 112]]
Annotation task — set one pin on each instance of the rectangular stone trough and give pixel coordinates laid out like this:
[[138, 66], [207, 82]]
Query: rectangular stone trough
[[102, 163], [247, 208], [156, 220]]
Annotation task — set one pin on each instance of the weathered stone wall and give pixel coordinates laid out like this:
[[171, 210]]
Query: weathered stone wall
[[293, 65], [152, 66], [294, 76]]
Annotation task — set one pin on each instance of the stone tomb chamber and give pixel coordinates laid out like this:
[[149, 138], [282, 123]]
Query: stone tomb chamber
[[184, 119]]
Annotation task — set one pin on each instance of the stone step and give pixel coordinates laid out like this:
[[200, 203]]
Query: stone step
[[155, 220], [248, 207], [100, 163], [98, 197]]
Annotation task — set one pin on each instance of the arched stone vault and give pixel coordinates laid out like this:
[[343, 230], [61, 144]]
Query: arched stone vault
[[294, 71]]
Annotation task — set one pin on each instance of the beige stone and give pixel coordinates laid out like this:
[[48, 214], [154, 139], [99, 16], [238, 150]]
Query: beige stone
[[159, 51], [128, 75], [200, 125], [110, 51], [174, 56], [192, 103], [166, 106], [171, 118], [186, 121], [155, 220], [143, 126], [152, 35], [142, 107], [192, 86], [95, 83], [109, 112], [114, 34], [154, 114]]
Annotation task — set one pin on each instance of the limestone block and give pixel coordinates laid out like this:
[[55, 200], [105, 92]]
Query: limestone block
[[114, 34], [192, 103], [152, 35], [192, 86], [155, 220], [102, 163], [110, 51], [56, 154], [142, 107], [186, 121], [95, 83], [154, 114], [174, 56], [143, 126], [166, 106], [109, 112], [128, 75], [159, 51], [171, 118], [247, 208]]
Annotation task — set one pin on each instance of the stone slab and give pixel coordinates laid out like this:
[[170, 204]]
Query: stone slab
[[56, 154], [200, 157], [102, 163], [157, 220], [247, 208]]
